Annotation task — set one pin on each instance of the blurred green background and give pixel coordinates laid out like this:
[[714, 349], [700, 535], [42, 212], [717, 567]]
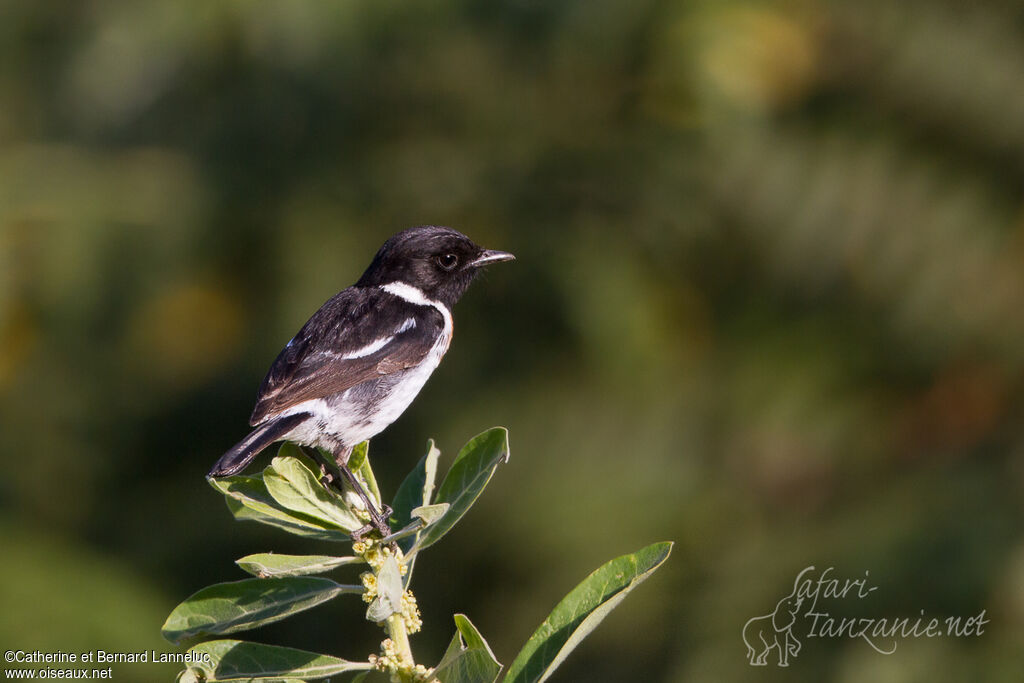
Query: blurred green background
[[768, 303]]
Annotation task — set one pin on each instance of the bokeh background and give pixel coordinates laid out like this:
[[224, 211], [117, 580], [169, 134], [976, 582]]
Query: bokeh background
[[769, 304]]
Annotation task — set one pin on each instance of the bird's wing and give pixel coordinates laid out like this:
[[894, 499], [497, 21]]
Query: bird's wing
[[350, 340]]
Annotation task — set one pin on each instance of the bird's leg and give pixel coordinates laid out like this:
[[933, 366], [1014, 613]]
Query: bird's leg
[[329, 472], [328, 469], [378, 518]]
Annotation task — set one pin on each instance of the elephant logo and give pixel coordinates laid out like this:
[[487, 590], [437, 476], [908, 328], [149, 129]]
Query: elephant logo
[[774, 631]]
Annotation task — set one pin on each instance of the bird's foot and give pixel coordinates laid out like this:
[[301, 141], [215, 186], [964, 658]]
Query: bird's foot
[[378, 524], [327, 480], [379, 521]]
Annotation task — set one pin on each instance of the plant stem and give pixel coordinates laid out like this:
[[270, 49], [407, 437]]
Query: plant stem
[[395, 626]]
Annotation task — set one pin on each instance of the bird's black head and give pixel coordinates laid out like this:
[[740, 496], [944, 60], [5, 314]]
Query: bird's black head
[[438, 261]]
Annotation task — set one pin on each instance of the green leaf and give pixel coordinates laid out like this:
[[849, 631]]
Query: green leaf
[[466, 479], [429, 514], [581, 611], [469, 658], [241, 605], [359, 464], [430, 461], [236, 660], [416, 489], [267, 565], [358, 456], [248, 499], [415, 492], [389, 592], [295, 486]]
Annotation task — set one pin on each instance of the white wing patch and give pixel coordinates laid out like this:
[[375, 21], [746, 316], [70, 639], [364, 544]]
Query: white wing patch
[[378, 344]]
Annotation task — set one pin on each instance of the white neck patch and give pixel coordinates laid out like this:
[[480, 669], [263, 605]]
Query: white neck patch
[[414, 295]]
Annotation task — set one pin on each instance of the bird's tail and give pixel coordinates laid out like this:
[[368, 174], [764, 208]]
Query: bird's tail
[[235, 460]]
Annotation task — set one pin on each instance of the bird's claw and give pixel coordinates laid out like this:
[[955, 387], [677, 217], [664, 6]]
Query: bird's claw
[[377, 523]]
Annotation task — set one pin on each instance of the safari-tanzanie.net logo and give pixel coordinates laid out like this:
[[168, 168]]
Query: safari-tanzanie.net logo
[[776, 637]]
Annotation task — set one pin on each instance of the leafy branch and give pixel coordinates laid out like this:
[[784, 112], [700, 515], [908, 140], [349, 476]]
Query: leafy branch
[[288, 495]]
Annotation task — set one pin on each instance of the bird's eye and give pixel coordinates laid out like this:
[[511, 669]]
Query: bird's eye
[[448, 261]]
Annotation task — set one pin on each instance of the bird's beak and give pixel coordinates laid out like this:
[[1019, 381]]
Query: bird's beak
[[490, 256]]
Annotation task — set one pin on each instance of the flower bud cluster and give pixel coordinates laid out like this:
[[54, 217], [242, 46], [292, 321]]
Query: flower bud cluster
[[375, 554], [411, 613], [390, 663]]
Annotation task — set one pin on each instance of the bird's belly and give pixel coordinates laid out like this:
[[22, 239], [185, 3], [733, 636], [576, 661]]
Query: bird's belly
[[357, 414], [367, 410]]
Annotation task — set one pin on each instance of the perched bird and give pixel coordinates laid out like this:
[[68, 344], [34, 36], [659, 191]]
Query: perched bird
[[358, 363]]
